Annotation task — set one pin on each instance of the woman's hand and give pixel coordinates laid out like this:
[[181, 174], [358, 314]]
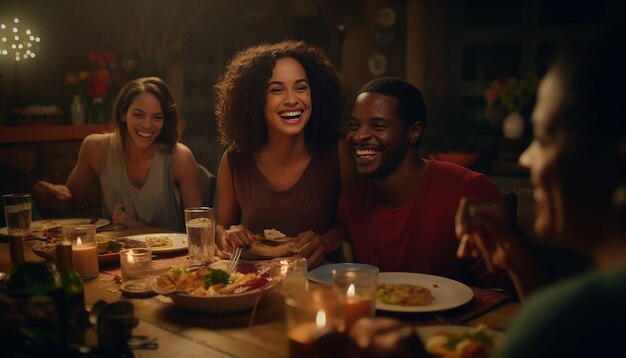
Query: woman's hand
[[52, 196], [311, 246], [122, 217], [236, 235], [484, 229]]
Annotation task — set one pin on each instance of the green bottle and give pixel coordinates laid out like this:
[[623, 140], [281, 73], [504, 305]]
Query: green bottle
[[75, 316], [39, 290]]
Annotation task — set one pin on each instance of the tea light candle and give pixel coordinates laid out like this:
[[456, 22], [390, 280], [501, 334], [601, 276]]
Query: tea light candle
[[84, 248], [314, 318], [356, 307], [358, 287], [85, 257], [135, 263]]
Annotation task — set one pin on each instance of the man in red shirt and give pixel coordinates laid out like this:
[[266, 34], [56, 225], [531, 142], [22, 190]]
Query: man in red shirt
[[399, 215]]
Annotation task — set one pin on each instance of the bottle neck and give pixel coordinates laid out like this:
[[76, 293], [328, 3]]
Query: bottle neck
[[64, 256], [16, 246]]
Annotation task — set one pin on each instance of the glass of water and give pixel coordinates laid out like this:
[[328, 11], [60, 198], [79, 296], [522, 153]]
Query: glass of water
[[17, 213], [200, 224]]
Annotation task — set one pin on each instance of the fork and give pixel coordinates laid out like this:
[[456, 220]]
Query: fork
[[234, 259]]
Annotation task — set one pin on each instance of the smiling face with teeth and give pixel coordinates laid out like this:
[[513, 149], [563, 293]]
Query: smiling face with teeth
[[288, 99], [377, 136], [144, 120]]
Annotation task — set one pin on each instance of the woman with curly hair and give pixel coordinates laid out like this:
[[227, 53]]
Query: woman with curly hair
[[144, 173], [278, 114]]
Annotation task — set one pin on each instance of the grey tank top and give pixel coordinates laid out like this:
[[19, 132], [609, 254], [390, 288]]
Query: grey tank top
[[310, 204], [156, 203]]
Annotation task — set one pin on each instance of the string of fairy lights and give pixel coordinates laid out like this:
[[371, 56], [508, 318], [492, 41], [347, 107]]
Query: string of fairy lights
[[16, 42]]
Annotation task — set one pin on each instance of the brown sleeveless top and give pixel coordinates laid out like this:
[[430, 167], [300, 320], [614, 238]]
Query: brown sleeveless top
[[310, 204]]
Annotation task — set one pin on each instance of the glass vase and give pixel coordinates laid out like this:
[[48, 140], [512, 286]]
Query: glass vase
[[98, 111]]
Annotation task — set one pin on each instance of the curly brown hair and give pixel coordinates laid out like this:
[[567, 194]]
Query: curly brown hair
[[158, 88], [241, 94]]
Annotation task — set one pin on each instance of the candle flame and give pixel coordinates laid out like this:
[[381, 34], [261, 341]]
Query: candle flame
[[350, 293], [320, 319], [129, 257], [78, 241]]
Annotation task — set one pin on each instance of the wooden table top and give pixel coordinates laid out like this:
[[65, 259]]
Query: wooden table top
[[182, 333]]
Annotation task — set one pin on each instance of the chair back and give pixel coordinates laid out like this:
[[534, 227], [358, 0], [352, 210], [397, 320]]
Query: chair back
[[206, 181]]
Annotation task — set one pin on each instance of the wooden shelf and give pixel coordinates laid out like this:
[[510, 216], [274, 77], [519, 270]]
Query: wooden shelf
[[50, 133]]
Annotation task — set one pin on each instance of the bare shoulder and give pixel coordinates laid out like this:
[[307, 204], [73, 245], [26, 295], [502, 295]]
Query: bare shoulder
[[183, 160], [92, 146]]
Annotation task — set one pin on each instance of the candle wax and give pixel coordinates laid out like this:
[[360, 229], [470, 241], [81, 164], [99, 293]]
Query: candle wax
[[355, 310], [85, 259]]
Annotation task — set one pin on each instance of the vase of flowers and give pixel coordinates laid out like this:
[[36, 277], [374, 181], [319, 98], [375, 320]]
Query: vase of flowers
[[99, 84], [506, 98]]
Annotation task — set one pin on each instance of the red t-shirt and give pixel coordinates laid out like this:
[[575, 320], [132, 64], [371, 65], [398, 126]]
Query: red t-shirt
[[418, 236]]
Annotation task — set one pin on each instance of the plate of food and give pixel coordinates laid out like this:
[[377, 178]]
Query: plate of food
[[52, 227], [414, 292], [108, 247], [324, 274], [162, 243], [211, 289], [460, 341]]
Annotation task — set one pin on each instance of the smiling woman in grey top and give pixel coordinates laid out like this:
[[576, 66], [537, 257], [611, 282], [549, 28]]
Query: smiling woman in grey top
[[145, 175]]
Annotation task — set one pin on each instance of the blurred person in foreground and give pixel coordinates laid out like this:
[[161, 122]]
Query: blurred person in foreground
[[278, 114], [577, 163], [399, 213], [146, 176]]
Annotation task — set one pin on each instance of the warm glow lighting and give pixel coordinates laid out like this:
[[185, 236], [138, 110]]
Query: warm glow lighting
[[28, 32], [20, 46], [4, 52], [13, 46], [320, 319], [350, 292], [32, 55], [36, 39], [78, 241], [17, 38], [3, 26], [32, 38], [4, 39], [15, 29], [16, 20], [17, 58]]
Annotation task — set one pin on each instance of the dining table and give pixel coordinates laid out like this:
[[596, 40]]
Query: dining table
[[258, 332]]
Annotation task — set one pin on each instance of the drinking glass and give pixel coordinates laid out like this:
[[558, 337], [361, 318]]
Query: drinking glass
[[357, 288], [17, 213], [290, 274], [200, 225]]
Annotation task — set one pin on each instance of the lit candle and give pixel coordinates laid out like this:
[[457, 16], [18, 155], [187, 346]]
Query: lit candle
[[355, 307], [85, 257], [302, 336]]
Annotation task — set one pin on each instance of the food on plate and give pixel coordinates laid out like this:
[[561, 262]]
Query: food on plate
[[206, 281], [274, 235], [404, 294], [158, 241], [477, 342], [113, 245], [271, 244]]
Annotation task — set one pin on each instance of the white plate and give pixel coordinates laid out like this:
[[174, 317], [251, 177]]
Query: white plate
[[36, 225], [324, 273], [446, 292], [179, 242], [427, 331]]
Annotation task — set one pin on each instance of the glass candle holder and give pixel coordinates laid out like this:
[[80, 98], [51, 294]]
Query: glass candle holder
[[290, 274], [312, 316], [135, 263], [357, 288], [84, 248]]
